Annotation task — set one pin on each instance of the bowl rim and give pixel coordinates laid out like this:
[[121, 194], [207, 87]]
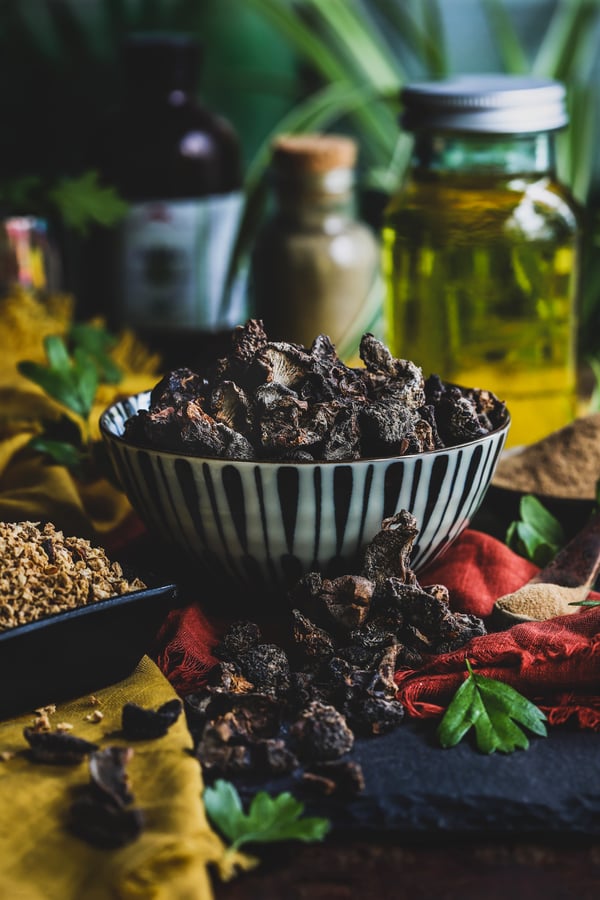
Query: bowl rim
[[109, 434]]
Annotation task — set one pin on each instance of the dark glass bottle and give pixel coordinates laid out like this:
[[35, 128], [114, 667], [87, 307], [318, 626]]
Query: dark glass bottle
[[178, 165]]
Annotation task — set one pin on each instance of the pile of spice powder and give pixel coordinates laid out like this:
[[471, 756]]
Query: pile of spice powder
[[43, 572], [564, 464]]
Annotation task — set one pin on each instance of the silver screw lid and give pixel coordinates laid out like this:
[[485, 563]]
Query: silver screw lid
[[502, 104]]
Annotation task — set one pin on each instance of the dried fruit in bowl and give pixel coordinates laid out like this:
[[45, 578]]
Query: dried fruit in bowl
[[281, 401]]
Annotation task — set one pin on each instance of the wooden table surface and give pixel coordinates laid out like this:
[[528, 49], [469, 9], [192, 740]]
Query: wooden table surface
[[384, 869]]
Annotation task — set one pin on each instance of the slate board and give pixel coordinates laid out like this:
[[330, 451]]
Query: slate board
[[413, 787]]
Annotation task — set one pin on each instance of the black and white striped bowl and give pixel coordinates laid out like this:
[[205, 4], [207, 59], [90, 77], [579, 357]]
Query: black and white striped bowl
[[267, 523]]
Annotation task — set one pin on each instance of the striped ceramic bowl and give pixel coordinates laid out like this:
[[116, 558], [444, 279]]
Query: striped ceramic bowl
[[267, 523]]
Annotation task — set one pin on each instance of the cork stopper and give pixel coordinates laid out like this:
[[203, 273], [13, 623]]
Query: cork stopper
[[313, 153]]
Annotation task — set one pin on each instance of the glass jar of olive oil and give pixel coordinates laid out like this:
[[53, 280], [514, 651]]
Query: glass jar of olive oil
[[481, 246]]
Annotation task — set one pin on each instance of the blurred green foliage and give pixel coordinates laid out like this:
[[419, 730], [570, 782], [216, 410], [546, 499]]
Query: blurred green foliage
[[296, 65]]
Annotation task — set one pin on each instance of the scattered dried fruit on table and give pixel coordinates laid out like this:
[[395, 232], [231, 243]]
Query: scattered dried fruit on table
[[339, 777], [102, 813], [57, 747], [275, 707], [108, 773], [139, 723], [321, 733]]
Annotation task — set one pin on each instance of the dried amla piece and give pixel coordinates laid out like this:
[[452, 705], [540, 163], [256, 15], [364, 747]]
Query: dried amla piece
[[267, 667], [340, 777], [139, 723], [102, 814], [388, 553], [311, 643], [108, 774], [270, 710], [59, 747], [281, 401], [239, 637], [321, 733]]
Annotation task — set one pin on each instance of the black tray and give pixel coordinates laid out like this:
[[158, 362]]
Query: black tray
[[72, 653]]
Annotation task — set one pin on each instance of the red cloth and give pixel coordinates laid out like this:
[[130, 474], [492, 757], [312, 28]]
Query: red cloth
[[555, 663], [477, 570]]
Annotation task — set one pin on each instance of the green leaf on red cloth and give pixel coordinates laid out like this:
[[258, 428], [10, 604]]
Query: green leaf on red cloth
[[495, 710], [555, 664]]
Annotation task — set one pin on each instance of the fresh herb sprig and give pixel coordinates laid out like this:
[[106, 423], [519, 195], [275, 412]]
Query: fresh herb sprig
[[268, 818], [495, 710], [537, 535], [73, 370], [79, 201]]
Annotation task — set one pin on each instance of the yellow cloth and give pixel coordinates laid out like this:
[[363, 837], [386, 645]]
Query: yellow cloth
[[29, 487], [41, 860]]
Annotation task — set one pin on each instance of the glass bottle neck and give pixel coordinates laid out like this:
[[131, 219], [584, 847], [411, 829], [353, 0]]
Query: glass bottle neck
[[315, 199], [486, 154]]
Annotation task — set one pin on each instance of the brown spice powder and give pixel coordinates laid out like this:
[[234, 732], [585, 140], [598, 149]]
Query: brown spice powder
[[541, 601], [565, 464]]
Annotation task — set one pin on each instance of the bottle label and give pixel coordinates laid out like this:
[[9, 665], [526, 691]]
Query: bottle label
[[175, 264]]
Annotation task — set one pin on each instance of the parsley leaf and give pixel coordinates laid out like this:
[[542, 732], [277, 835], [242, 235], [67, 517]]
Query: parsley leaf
[[61, 441], [83, 199], [537, 536], [71, 376], [495, 710], [268, 819], [72, 381], [97, 343]]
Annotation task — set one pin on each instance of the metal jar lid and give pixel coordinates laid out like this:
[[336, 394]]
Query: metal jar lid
[[501, 104]]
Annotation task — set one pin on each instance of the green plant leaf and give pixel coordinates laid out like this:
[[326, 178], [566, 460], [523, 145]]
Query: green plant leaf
[[538, 535], [535, 513], [427, 45], [224, 807], [97, 343], [268, 819], [566, 38], [351, 31], [496, 711], [61, 442], [70, 381], [59, 452], [505, 37], [84, 200], [460, 716], [433, 27], [311, 37]]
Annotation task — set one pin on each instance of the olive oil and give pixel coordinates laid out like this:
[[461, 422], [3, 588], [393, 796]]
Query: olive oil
[[481, 290], [481, 247]]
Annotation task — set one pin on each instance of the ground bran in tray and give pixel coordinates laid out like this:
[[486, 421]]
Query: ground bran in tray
[[43, 572]]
